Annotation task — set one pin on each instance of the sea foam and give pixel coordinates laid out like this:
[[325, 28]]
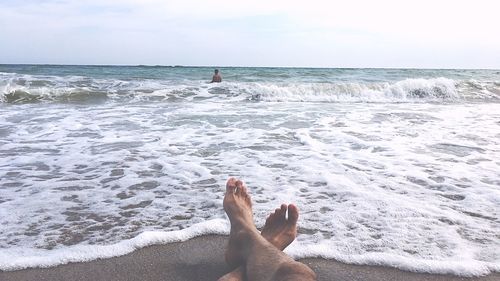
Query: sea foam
[[17, 88], [20, 258], [386, 168]]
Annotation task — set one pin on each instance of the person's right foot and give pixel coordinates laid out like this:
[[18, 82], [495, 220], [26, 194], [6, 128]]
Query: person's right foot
[[279, 230]]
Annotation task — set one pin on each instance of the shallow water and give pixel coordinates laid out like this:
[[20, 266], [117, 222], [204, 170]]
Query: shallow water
[[391, 167]]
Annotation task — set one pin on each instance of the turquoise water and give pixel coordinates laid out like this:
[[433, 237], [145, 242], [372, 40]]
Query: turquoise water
[[250, 74], [29, 83]]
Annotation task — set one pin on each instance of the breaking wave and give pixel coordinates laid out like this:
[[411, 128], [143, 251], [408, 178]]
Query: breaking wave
[[17, 89]]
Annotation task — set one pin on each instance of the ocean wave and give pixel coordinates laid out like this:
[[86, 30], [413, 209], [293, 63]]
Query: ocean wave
[[74, 95], [80, 181], [406, 90], [17, 89]]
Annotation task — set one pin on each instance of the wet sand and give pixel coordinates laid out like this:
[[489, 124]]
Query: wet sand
[[202, 259]]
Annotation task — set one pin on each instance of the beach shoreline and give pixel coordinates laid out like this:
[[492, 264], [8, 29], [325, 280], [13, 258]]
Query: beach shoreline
[[99, 163], [202, 258]]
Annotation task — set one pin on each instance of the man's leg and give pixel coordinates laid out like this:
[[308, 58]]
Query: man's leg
[[278, 230], [236, 275], [263, 261]]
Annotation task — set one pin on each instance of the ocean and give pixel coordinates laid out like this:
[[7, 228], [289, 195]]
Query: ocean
[[394, 167]]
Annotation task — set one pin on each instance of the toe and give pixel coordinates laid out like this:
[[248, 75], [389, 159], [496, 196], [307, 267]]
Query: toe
[[272, 217], [239, 187], [230, 185], [293, 214], [283, 208], [244, 190], [281, 212]]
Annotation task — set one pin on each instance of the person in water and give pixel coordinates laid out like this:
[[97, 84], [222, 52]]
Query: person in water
[[259, 256], [216, 78]]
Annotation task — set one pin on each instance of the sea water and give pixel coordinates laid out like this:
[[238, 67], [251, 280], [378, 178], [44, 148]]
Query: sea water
[[395, 167]]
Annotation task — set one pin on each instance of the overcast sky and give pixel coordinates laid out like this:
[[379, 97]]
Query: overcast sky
[[309, 33]]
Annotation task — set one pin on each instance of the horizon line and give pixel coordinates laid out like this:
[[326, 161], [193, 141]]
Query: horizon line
[[239, 66]]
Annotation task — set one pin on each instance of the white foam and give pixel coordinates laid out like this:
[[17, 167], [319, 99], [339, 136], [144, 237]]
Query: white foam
[[20, 88], [405, 90], [459, 266], [410, 185], [20, 258]]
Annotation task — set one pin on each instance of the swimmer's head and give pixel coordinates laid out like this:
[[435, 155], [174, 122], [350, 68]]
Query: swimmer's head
[[216, 71]]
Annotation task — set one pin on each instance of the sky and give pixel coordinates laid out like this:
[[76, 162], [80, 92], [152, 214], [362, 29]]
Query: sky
[[307, 33]]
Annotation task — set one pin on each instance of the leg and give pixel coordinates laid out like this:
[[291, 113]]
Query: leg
[[236, 275], [278, 230], [263, 260]]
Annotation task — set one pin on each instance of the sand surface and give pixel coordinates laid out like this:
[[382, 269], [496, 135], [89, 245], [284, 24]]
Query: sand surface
[[202, 259]]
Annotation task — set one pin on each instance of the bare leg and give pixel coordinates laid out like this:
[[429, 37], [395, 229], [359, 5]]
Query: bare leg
[[236, 275], [278, 230], [263, 260]]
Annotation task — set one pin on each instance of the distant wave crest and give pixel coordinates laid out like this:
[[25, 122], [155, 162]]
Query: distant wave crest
[[406, 90], [16, 89]]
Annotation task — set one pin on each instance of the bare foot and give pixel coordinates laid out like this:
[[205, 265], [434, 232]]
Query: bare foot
[[238, 207], [279, 230]]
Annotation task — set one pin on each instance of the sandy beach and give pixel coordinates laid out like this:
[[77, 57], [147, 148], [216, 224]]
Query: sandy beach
[[201, 258], [122, 122]]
